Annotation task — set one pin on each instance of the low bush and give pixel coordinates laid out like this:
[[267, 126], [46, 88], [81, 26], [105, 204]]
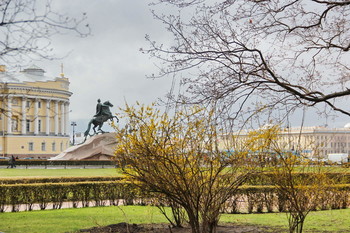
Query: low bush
[[266, 178], [101, 191], [59, 179], [57, 193], [268, 198], [42, 162]]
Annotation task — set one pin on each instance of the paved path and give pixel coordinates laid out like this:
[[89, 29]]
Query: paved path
[[65, 205]]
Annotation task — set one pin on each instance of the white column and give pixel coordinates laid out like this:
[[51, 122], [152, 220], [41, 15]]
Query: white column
[[24, 116], [47, 117], [9, 116], [66, 118], [56, 117], [36, 117], [62, 118]]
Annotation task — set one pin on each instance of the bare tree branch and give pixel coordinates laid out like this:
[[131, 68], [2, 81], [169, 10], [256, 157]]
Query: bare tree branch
[[290, 52], [27, 27]]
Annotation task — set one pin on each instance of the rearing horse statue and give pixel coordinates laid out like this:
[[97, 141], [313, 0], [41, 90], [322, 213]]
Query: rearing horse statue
[[103, 114]]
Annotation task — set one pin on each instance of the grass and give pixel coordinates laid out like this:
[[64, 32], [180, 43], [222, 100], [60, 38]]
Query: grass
[[18, 173], [27, 173], [319, 221], [70, 220]]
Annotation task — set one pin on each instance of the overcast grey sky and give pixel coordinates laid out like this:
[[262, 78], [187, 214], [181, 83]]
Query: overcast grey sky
[[108, 64]]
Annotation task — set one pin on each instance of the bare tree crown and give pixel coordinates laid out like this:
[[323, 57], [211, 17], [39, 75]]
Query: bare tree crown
[[277, 53], [27, 27]]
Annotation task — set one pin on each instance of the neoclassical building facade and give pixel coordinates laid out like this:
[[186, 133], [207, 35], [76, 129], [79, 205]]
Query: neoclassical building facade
[[317, 141], [313, 142], [34, 119]]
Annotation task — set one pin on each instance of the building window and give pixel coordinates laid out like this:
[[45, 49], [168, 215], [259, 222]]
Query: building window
[[43, 146], [28, 104], [61, 146], [39, 126], [30, 146], [53, 146], [39, 104], [28, 125]]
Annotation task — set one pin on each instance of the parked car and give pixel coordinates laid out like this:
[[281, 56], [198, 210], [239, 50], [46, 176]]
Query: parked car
[[338, 158], [7, 158]]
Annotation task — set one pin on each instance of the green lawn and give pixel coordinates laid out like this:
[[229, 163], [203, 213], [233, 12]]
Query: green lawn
[[69, 220], [17, 173], [322, 221]]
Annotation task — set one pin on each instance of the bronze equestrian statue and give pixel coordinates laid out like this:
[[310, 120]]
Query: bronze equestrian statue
[[102, 115]]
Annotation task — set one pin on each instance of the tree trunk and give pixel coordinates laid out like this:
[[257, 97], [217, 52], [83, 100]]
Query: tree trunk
[[209, 226], [193, 221]]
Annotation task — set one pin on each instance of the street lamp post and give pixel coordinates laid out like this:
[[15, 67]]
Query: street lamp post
[[73, 124]]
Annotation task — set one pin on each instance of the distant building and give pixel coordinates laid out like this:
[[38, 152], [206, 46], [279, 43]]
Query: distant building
[[34, 120], [316, 141]]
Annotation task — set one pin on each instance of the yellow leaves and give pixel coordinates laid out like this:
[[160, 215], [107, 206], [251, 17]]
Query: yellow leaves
[[262, 139], [180, 145], [177, 154]]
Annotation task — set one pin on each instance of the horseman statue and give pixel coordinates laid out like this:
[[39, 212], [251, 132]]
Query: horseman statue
[[102, 115]]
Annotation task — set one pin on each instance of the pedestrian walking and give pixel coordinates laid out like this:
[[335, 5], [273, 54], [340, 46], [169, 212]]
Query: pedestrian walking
[[12, 162]]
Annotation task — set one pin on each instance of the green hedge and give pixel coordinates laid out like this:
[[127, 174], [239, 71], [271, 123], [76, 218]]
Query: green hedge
[[58, 179], [267, 177], [39, 162], [97, 193], [268, 198], [255, 179], [255, 198]]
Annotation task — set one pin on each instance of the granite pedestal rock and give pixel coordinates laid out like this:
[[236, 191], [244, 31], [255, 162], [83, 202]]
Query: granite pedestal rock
[[98, 147]]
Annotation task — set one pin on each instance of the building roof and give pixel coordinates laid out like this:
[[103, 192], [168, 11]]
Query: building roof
[[30, 74]]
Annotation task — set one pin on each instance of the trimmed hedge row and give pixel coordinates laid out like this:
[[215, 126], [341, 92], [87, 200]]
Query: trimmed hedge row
[[247, 199], [267, 177], [40, 162], [85, 193], [255, 179], [59, 179], [261, 199]]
